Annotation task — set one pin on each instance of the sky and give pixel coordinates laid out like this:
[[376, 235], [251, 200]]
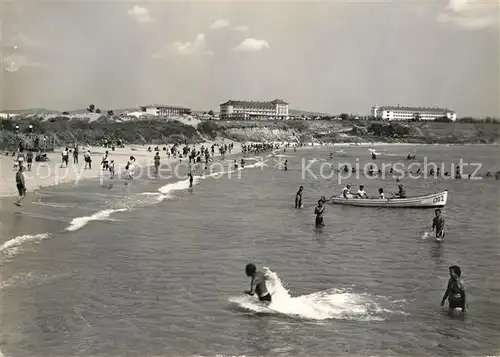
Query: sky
[[331, 56]]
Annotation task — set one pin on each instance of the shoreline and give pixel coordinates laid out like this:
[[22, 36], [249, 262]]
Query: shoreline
[[144, 158], [54, 175]]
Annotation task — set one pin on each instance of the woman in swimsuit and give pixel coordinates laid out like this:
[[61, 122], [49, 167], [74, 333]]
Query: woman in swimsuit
[[455, 291]]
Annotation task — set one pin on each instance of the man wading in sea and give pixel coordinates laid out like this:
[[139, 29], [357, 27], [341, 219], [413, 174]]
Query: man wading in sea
[[319, 211], [298, 197], [21, 186], [455, 291], [258, 283], [438, 223]]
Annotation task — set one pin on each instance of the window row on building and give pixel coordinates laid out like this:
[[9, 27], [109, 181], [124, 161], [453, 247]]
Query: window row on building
[[250, 110], [411, 113]]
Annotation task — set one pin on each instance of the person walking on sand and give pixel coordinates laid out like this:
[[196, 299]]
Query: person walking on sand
[[29, 159], [21, 185], [112, 169], [75, 155], [156, 159], [130, 167], [88, 160], [20, 158], [65, 157]]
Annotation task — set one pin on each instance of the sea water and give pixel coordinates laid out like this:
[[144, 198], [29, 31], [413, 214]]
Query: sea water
[[156, 268]]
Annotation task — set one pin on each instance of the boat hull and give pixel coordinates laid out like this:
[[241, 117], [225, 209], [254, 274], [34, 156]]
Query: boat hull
[[430, 201]]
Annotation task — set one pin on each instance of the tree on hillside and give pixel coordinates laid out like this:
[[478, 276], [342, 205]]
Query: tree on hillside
[[443, 119], [211, 113], [91, 108], [110, 113], [98, 111], [344, 116]]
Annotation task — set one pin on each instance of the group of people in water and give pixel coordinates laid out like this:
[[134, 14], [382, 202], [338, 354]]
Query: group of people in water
[[455, 291]]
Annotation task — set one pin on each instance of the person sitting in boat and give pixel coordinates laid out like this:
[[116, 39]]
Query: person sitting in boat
[[401, 191], [362, 192], [346, 193], [381, 193]]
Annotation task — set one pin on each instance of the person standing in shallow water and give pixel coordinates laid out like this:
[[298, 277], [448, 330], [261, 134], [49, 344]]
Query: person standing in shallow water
[[190, 175], [438, 224], [455, 291], [298, 197], [319, 212], [257, 284], [21, 185]]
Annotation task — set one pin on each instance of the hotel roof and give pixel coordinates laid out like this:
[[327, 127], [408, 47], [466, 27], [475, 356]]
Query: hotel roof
[[416, 109], [162, 106], [249, 103]]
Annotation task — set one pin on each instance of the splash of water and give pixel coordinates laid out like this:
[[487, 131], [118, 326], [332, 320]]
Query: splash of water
[[20, 240], [79, 222], [426, 235], [329, 304]]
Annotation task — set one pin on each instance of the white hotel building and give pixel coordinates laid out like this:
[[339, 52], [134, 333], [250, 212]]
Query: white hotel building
[[249, 110], [409, 113]]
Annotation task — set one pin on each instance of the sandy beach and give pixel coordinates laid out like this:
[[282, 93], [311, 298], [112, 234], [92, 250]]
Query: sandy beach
[[51, 173]]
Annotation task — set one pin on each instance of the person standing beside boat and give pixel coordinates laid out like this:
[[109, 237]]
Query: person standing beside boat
[[438, 224]]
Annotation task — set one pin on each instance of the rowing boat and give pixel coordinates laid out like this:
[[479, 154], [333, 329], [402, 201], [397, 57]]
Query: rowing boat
[[429, 201]]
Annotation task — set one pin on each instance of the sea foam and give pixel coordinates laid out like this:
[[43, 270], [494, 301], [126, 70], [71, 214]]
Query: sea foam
[[79, 222], [20, 240]]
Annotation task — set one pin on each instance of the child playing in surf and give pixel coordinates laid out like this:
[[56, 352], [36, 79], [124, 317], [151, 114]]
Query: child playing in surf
[[257, 284], [455, 291]]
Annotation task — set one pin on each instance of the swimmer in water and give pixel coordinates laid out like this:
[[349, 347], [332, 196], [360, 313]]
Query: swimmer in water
[[319, 211], [455, 291], [298, 197], [257, 284]]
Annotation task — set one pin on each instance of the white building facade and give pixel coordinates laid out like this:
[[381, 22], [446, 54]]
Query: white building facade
[[409, 113], [250, 110], [164, 110]]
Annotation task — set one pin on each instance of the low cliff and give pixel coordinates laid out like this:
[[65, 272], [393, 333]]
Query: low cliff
[[163, 131]]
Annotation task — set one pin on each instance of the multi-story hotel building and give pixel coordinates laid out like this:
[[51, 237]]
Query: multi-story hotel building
[[248, 110], [164, 110], [409, 113]]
